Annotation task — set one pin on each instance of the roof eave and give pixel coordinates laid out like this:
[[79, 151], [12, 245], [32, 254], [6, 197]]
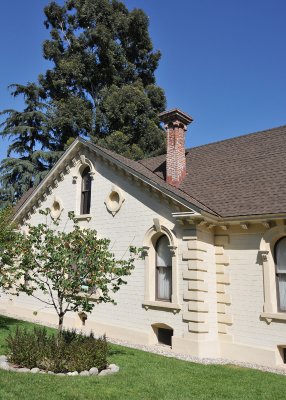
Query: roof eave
[[233, 220]]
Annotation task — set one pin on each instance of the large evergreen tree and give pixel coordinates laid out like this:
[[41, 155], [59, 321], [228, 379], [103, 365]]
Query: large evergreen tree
[[101, 85], [31, 139]]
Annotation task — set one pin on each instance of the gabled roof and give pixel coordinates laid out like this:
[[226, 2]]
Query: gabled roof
[[145, 172], [231, 178], [242, 176], [133, 167]]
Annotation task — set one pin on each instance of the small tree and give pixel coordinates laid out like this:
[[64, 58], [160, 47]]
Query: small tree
[[69, 271]]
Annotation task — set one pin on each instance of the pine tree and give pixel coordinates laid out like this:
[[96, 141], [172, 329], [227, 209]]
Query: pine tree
[[101, 86], [104, 54], [31, 141]]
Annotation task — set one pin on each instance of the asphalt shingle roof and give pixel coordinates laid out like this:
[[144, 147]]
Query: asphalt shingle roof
[[245, 175]]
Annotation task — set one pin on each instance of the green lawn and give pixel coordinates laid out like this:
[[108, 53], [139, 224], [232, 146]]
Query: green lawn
[[142, 376]]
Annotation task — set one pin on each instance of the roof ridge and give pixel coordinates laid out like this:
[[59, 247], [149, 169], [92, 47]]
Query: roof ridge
[[217, 142], [237, 137]]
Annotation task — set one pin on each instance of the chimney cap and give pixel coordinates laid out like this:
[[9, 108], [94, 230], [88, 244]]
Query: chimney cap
[[175, 115]]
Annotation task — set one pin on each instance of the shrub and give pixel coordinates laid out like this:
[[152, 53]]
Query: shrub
[[25, 347], [68, 351]]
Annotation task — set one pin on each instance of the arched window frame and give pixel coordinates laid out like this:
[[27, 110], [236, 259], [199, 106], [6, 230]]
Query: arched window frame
[[278, 273], [79, 166], [168, 268], [86, 183], [149, 252], [269, 240]]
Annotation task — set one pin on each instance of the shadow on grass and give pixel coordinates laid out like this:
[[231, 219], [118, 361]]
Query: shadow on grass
[[6, 323], [113, 352]]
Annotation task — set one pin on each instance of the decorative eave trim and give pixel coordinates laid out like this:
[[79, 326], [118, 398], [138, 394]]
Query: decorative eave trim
[[255, 218], [50, 179], [209, 221]]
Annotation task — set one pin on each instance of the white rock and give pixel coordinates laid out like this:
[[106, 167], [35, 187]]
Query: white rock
[[74, 373], [106, 372], [113, 367], [51, 373], [23, 370], [93, 371], [3, 359], [84, 373], [3, 363], [35, 370], [61, 374], [5, 366]]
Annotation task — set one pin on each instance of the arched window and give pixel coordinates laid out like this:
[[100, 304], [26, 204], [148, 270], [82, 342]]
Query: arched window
[[163, 270], [280, 261], [85, 191]]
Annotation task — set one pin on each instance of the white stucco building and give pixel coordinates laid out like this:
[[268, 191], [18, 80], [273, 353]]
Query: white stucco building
[[211, 221]]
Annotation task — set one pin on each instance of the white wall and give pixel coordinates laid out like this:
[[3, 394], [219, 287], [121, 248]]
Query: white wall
[[126, 228], [247, 293]]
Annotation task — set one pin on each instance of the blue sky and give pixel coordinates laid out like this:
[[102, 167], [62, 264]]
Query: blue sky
[[223, 61]]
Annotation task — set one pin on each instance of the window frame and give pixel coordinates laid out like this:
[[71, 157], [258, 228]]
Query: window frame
[[266, 253], [85, 209], [149, 254], [157, 298], [279, 309]]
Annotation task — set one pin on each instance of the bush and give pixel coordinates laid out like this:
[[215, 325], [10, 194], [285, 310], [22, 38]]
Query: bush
[[69, 351]]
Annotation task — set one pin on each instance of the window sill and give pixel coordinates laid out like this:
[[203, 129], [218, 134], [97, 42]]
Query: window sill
[[273, 316], [162, 304], [83, 217]]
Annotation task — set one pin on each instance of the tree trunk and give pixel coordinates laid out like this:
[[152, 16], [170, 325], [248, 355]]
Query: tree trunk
[[61, 322], [61, 314]]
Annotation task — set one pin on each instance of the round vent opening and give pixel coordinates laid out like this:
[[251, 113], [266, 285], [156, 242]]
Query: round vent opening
[[56, 209], [114, 200], [56, 206]]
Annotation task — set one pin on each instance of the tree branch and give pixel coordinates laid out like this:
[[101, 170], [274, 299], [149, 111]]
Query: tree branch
[[52, 297], [63, 33], [43, 301]]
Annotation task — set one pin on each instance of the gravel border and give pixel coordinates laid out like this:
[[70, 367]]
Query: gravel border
[[166, 351]]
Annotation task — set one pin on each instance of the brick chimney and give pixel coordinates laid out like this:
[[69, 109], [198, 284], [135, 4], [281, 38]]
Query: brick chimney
[[176, 123]]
